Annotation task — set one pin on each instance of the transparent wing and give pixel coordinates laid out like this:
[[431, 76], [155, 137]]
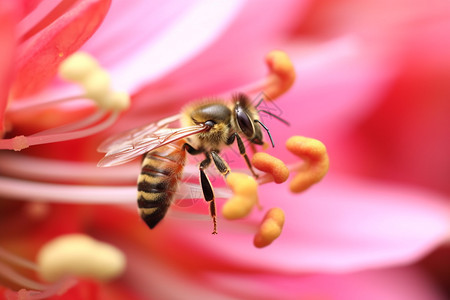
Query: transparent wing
[[128, 150], [130, 137]]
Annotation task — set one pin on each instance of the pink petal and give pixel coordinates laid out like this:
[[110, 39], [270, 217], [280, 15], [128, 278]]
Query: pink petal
[[387, 284], [40, 55], [342, 224], [165, 35], [202, 280], [226, 58]]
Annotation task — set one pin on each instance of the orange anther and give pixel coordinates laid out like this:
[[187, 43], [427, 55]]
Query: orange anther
[[315, 165], [272, 165], [282, 74], [270, 228], [245, 197]]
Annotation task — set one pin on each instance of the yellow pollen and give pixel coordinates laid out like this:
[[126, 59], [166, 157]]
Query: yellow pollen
[[282, 74], [316, 162], [245, 197], [97, 84], [117, 101], [84, 70], [270, 228], [20, 142], [77, 66], [272, 165], [79, 255]]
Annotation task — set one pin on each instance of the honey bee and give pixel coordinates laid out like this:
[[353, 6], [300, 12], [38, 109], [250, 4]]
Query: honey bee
[[206, 128]]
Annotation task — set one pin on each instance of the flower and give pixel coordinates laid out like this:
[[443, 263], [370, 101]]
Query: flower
[[345, 224]]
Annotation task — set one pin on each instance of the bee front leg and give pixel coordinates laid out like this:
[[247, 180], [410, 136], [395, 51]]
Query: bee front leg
[[241, 151]]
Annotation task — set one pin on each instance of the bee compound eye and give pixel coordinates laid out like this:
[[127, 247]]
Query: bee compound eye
[[244, 122]]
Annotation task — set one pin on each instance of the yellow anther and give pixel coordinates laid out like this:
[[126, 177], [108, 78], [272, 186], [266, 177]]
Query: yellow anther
[[282, 74], [79, 255], [316, 162], [245, 197], [272, 165], [77, 66], [270, 228], [83, 69], [114, 101], [97, 84]]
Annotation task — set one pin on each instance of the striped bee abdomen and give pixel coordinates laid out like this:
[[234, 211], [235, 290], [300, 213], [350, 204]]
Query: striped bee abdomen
[[161, 170]]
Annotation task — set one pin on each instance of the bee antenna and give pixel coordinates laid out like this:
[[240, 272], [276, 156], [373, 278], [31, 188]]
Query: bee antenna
[[268, 132], [275, 116], [260, 101]]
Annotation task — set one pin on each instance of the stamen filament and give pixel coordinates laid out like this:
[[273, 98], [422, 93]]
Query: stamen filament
[[21, 142], [18, 166], [29, 105], [17, 260], [88, 121], [65, 193], [13, 276]]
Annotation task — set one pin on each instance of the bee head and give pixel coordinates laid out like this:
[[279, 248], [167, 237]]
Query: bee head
[[246, 118]]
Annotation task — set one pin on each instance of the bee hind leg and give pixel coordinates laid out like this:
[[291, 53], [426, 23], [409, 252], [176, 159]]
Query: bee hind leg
[[208, 192]]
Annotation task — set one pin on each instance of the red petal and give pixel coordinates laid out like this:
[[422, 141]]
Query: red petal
[[41, 54], [85, 289], [8, 17]]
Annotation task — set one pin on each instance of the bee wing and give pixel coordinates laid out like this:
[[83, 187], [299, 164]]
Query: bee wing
[[130, 137], [128, 150]]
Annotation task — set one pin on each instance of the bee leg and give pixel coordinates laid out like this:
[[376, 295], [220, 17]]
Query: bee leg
[[208, 192], [220, 163], [242, 151]]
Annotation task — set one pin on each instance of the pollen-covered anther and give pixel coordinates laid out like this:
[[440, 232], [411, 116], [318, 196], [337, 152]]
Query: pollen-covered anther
[[315, 162], [282, 74], [84, 70], [117, 101], [76, 67], [271, 165], [96, 84], [245, 190], [270, 228], [79, 255]]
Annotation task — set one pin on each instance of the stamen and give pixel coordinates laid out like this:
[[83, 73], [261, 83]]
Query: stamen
[[270, 228], [10, 274], [84, 70], [245, 197], [276, 169], [315, 165], [21, 142], [13, 276], [282, 74], [38, 290], [13, 188], [79, 255], [96, 84], [281, 77], [77, 67]]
